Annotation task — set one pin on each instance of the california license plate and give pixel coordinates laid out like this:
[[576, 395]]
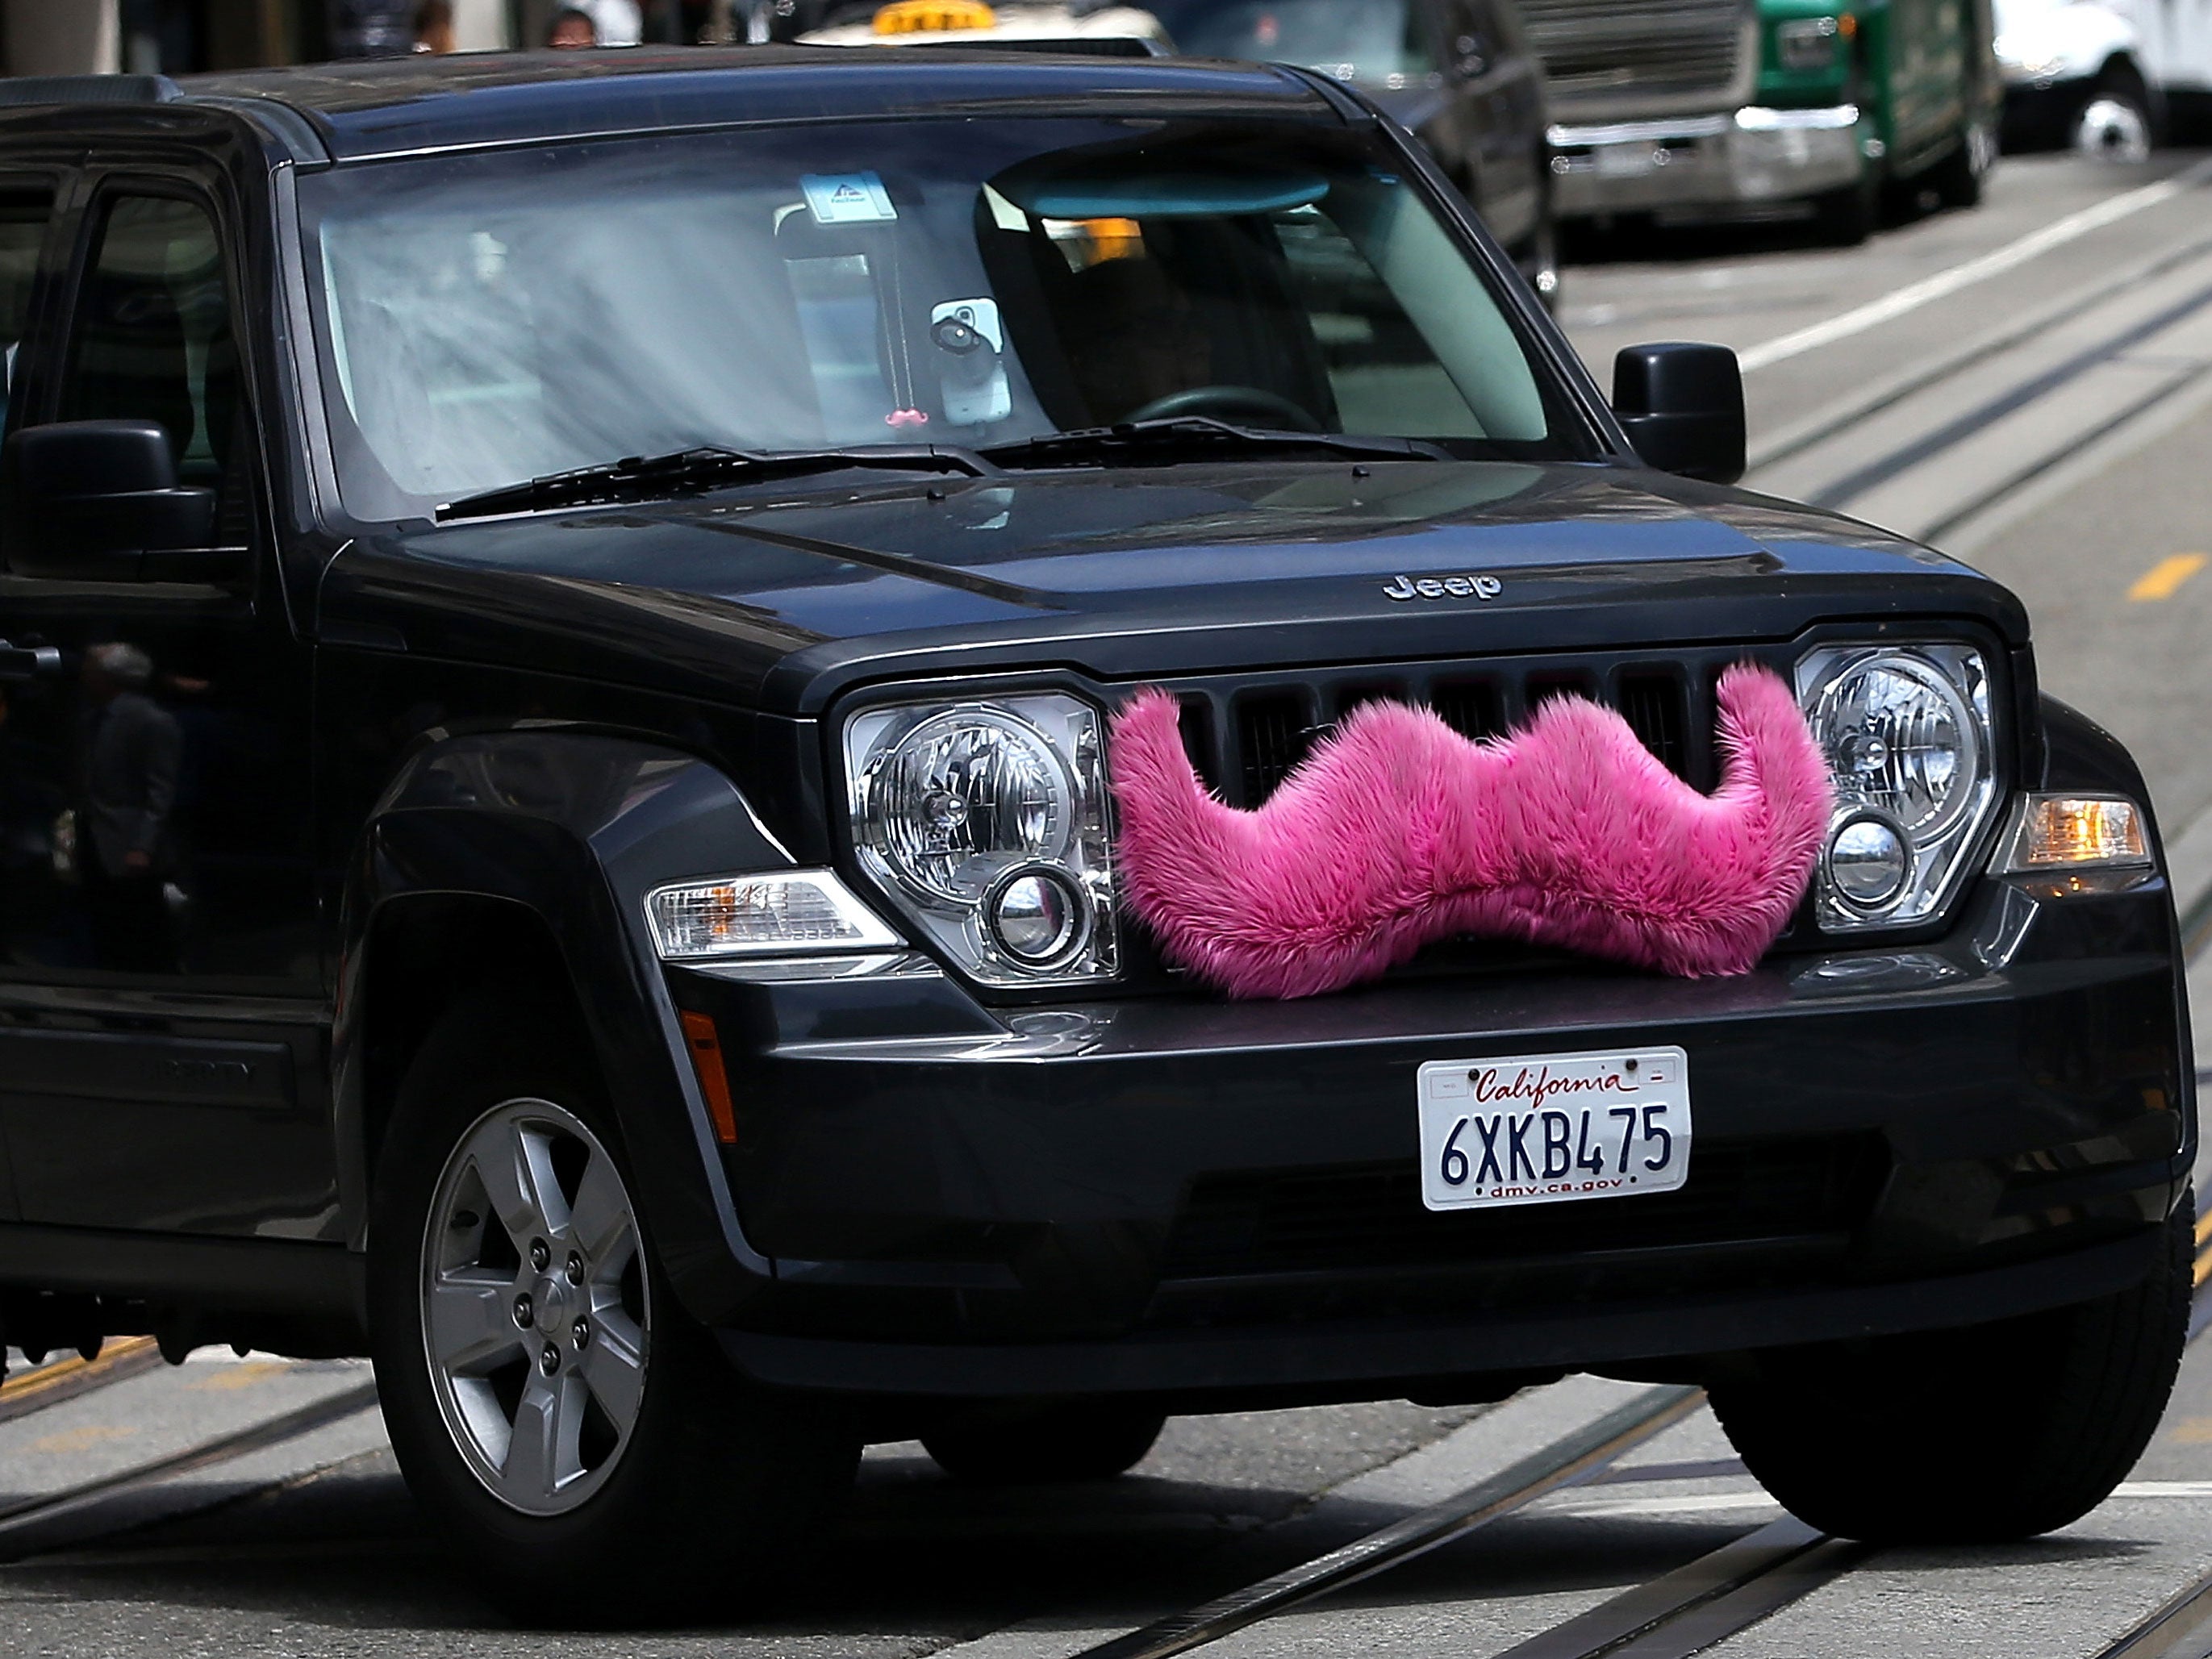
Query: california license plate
[[1547, 1128]]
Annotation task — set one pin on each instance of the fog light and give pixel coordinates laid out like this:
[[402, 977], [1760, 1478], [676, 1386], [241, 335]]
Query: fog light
[[2075, 832], [1035, 917], [1869, 861]]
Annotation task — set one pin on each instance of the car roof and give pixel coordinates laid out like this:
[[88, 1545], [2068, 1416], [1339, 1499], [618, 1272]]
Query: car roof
[[406, 106]]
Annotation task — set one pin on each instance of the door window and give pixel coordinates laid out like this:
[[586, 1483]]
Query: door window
[[23, 220], [153, 337]]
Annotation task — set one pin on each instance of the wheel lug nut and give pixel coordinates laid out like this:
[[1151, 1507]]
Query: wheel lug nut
[[550, 1361], [575, 1268], [525, 1311], [539, 1255], [581, 1330]]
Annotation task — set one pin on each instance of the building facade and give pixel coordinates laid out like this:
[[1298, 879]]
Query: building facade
[[180, 37]]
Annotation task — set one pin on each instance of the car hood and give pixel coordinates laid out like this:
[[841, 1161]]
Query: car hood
[[779, 598]]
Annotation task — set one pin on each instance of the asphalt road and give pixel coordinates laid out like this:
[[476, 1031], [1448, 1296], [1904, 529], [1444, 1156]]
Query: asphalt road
[[2030, 386]]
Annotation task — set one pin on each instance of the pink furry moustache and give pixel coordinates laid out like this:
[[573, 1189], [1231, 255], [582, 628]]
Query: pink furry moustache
[[1398, 831]]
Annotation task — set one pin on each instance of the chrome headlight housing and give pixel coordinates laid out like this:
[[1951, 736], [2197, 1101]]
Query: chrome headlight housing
[[1910, 745], [986, 821], [1809, 44]]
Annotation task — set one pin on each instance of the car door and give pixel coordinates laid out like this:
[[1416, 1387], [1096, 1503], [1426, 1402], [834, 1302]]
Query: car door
[[161, 995], [29, 803]]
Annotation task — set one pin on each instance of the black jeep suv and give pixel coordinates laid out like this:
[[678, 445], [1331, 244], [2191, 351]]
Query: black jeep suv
[[563, 619]]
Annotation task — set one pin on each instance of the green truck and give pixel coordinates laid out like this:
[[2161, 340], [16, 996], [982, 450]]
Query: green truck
[[1713, 108]]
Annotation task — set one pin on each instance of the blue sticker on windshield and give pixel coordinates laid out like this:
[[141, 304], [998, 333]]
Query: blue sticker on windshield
[[847, 198]]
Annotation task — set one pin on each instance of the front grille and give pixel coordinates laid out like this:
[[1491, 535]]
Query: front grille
[[1608, 48], [1353, 1217], [1244, 737]]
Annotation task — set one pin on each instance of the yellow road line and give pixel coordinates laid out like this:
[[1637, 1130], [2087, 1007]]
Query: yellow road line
[[2203, 1269], [47, 1376], [2164, 580], [2204, 1230]]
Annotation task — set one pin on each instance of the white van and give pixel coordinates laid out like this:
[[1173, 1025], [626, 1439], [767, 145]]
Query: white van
[[2102, 76]]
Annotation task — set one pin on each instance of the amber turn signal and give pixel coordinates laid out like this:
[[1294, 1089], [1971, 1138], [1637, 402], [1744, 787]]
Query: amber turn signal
[[2075, 832]]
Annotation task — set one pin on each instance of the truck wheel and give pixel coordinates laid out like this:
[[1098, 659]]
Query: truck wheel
[[1044, 1443], [2114, 124], [1957, 179], [555, 1411], [1987, 1434], [1846, 217]]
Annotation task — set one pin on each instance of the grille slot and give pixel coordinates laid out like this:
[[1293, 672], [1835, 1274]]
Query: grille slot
[[1604, 49], [1657, 708], [1351, 1217], [1470, 708], [1195, 720], [1548, 688], [1274, 730], [1352, 696]]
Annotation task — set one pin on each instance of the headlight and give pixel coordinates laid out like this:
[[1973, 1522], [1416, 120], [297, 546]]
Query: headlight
[[1806, 44], [2025, 60], [1910, 743], [986, 821]]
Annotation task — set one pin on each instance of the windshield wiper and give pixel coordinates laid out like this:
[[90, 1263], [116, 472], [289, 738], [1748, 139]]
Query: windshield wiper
[[1196, 437], [645, 477]]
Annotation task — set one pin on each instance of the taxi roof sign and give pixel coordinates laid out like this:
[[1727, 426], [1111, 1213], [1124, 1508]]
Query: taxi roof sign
[[933, 16]]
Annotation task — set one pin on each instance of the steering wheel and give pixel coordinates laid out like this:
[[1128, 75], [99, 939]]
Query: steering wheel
[[1229, 402]]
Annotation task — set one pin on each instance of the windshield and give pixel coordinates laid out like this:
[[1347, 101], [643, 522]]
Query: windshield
[[492, 316], [1382, 40]]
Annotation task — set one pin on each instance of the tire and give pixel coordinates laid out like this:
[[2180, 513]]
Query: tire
[[1846, 217], [669, 1487], [1036, 1445], [1957, 179], [2116, 122], [1987, 1434]]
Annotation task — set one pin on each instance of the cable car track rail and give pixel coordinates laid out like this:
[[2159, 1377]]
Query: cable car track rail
[[67, 1379], [1795, 438], [1942, 409], [1572, 1459], [22, 1521]]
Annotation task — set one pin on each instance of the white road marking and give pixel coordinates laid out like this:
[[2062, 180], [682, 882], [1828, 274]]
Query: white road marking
[[1711, 1503], [1996, 263], [1720, 1502]]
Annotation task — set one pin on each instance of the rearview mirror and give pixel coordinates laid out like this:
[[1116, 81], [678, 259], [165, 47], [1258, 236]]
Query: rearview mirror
[[99, 501], [1682, 407]]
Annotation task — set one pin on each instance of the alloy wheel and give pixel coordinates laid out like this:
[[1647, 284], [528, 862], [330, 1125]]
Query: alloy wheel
[[535, 1317]]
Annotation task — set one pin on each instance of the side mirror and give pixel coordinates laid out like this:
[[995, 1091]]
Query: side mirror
[[1682, 407], [99, 501]]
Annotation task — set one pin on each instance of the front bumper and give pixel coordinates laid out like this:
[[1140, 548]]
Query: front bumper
[[1754, 156], [1215, 1201]]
